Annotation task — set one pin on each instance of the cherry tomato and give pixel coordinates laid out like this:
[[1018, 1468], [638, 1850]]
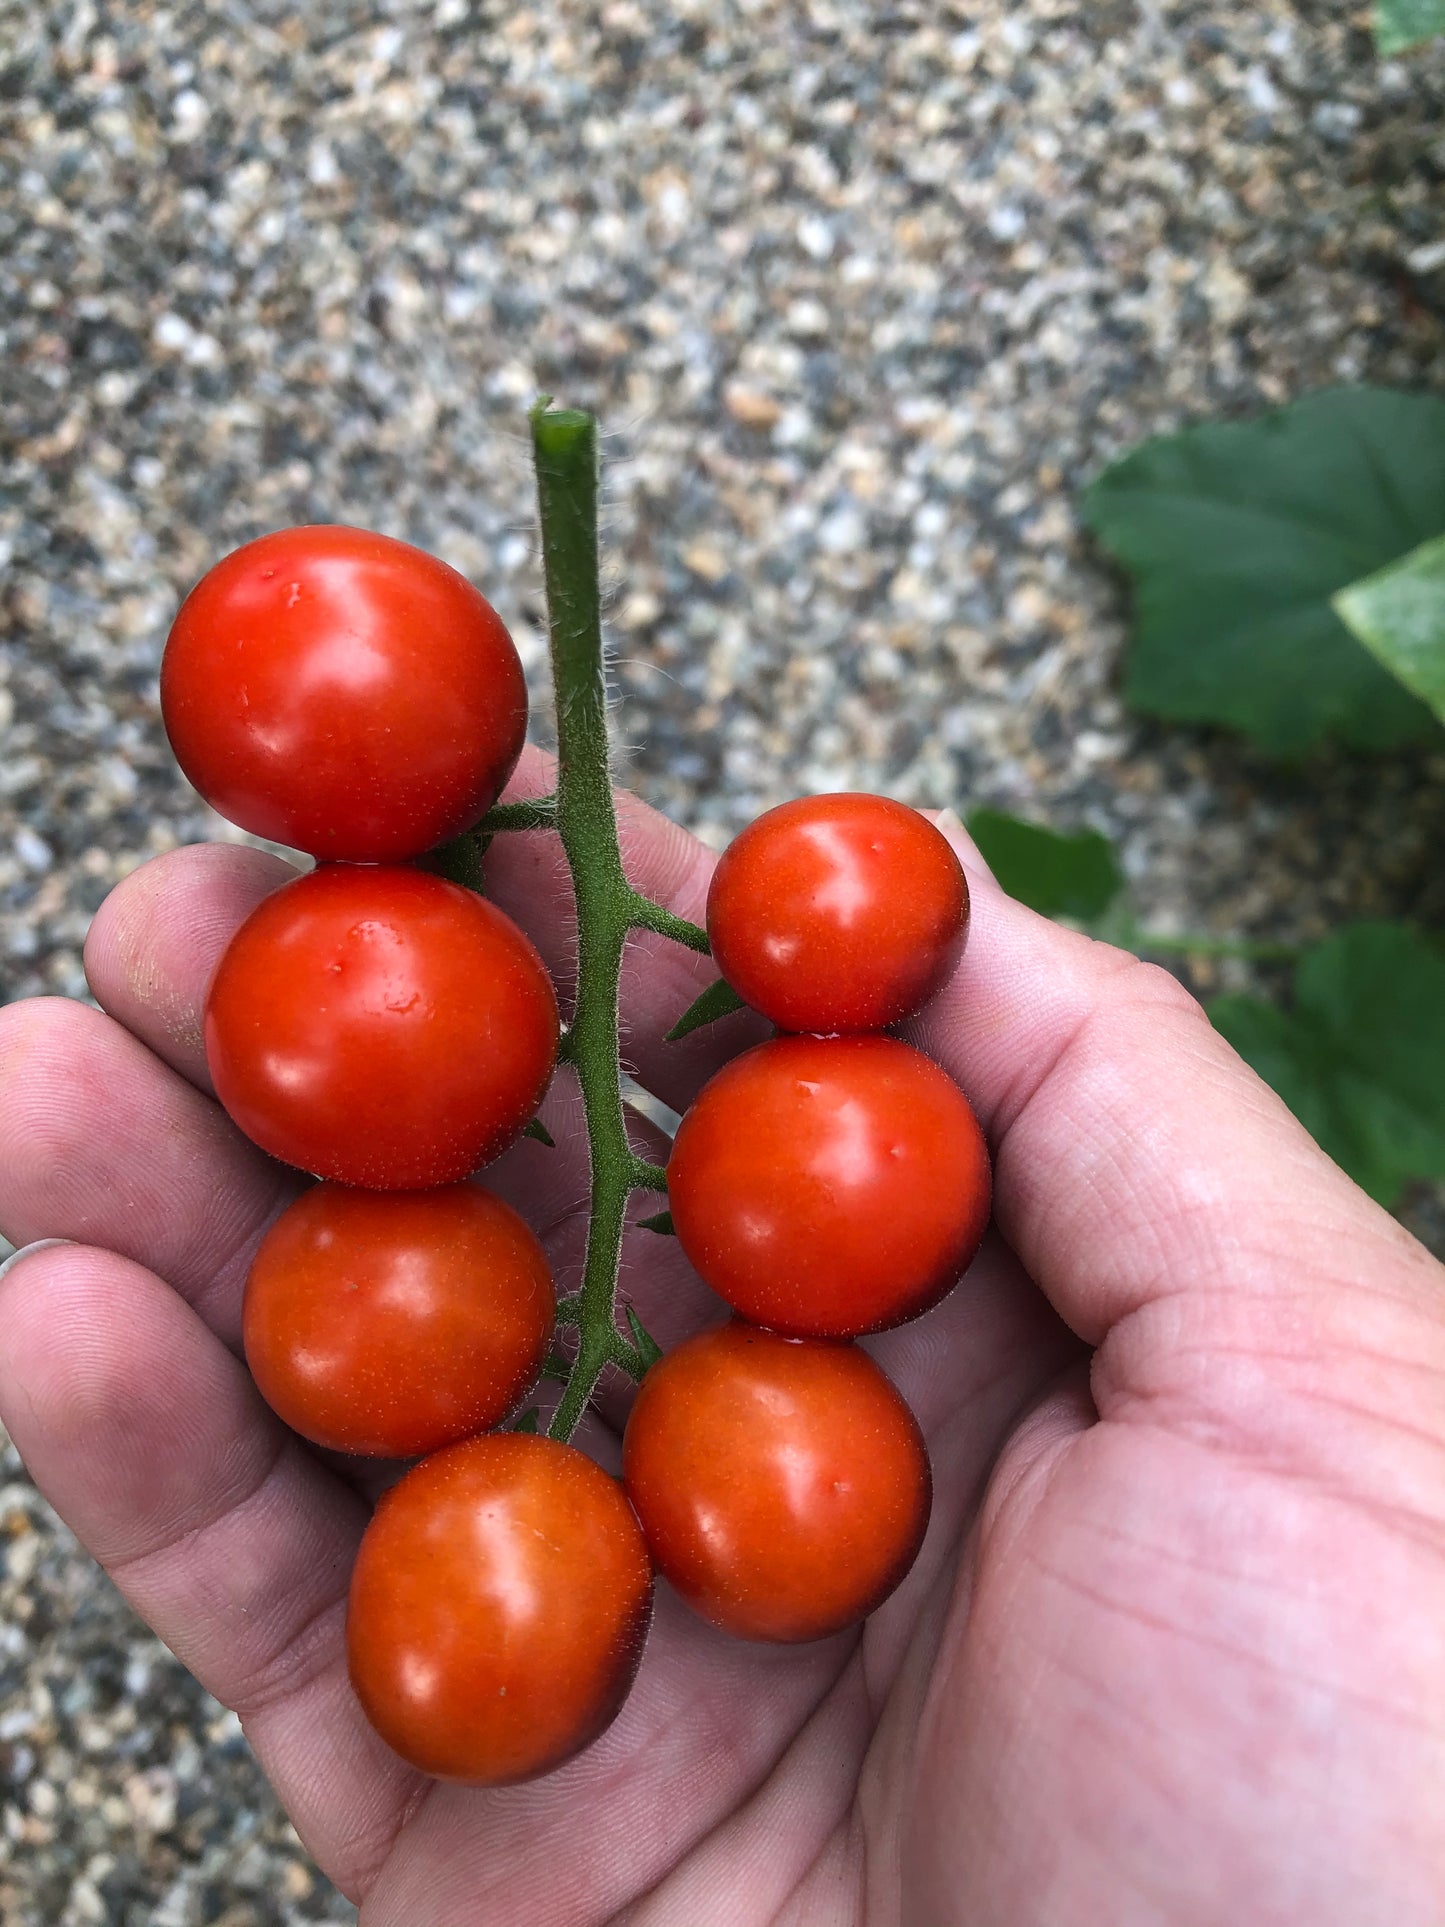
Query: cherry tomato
[[394, 1322], [343, 693], [838, 913], [782, 1483], [380, 1027], [826, 1186], [498, 1609]]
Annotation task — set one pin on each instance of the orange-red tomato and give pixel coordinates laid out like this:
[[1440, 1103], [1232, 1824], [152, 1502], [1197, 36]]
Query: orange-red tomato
[[826, 1186], [343, 693], [498, 1609], [394, 1322], [783, 1484], [380, 1026], [838, 913]]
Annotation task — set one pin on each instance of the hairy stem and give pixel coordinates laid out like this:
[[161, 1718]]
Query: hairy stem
[[565, 448]]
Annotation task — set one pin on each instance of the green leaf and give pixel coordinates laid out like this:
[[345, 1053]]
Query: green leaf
[[1236, 536], [661, 1223], [1360, 1058], [1401, 24], [1399, 615], [648, 1349], [538, 1130], [526, 1423], [718, 1000], [1060, 876]]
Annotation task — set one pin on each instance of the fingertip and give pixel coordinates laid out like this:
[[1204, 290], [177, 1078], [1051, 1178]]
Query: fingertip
[[158, 936], [29, 1251], [951, 828]]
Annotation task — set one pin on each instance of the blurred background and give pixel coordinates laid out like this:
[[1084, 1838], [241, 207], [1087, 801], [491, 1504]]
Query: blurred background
[[864, 295]]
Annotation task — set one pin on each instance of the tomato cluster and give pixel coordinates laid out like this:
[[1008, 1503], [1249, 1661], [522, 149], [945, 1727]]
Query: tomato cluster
[[825, 1186], [390, 1032]]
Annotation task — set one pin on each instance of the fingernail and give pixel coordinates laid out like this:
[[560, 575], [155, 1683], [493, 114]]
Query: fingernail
[[949, 823], [26, 1251]]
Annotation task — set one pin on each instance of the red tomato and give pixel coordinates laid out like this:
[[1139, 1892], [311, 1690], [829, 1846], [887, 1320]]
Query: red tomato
[[380, 1027], [343, 693], [826, 1186], [782, 1483], [838, 913], [498, 1609], [394, 1322]]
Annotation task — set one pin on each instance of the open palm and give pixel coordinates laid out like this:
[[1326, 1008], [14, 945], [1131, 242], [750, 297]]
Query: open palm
[[1174, 1650]]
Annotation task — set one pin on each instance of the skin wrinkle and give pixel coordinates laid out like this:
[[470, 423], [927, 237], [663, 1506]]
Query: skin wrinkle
[[131, 1564], [757, 1797], [1240, 1575], [1408, 1719]]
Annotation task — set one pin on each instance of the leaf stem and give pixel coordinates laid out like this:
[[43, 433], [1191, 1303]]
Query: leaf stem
[[647, 915], [564, 443], [531, 813], [1247, 950]]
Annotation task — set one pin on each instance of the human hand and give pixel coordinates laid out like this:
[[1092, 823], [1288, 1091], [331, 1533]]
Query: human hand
[[1174, 1650]]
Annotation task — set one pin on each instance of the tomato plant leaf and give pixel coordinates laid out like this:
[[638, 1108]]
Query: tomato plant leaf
[[718, 1000], [1236, 536], [1060, 876], [660, 1222], [1401, 24], [1360, 1056], [1399, 615], [526, 1423], [538, 1130]]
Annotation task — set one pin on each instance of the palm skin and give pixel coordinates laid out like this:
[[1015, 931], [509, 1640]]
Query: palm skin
[[1174, 1651]]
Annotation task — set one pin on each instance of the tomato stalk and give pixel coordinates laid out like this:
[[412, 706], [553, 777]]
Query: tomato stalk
[[608, 908]]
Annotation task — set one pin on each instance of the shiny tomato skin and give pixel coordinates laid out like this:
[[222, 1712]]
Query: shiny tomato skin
[[838, 913], [783, 1484], [379, 1026], [498, 1609], [343, 693], [391, 1323], [829, 1186]]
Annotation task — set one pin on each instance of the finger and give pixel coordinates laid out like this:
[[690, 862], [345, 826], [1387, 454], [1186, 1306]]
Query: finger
[[150, 1441], [1148, 1180], [102, 1143], [527, 876], [157, 938]]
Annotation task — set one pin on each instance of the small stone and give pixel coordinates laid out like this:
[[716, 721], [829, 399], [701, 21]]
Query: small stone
[[33, 851], [706, 561], [751, 406]]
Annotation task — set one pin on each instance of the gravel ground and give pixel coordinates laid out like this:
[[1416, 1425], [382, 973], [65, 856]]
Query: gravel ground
[[864, 295]]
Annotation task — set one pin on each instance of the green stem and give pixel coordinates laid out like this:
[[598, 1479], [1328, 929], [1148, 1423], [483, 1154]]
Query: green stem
[[647, 915], [1247, 951], [564, 445], [533, 813]]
